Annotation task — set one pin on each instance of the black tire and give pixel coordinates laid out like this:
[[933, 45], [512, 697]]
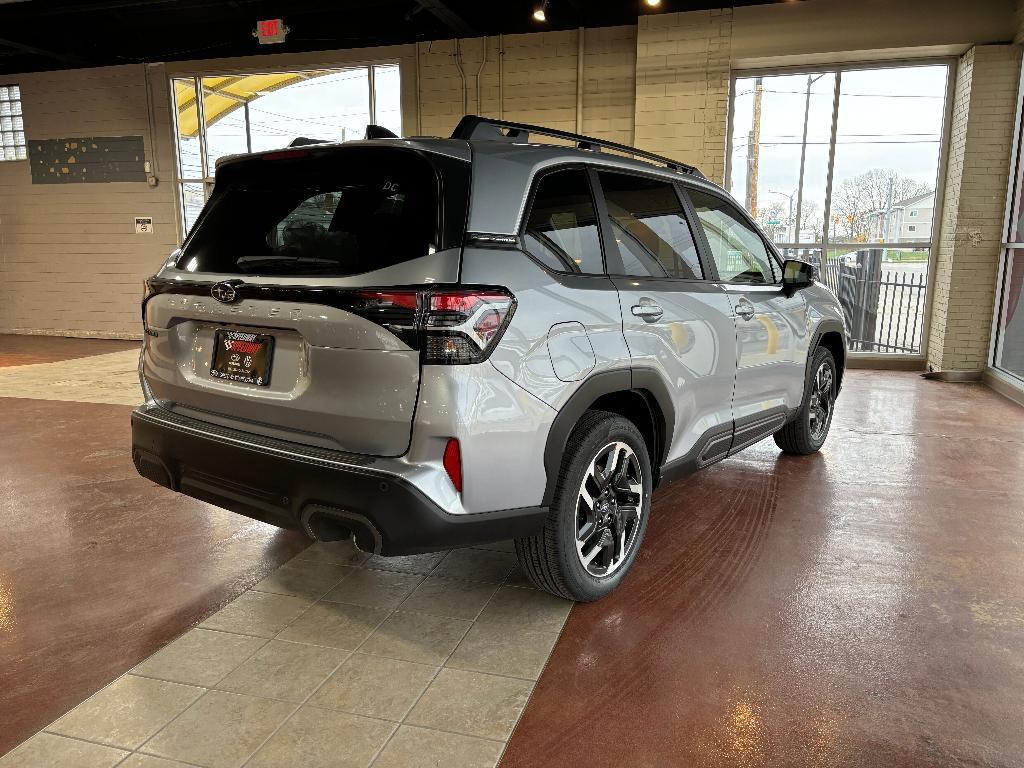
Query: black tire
[[807, 432], [551, 559]]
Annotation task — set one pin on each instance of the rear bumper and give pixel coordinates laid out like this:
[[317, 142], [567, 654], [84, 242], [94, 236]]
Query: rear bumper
[[328, 494]]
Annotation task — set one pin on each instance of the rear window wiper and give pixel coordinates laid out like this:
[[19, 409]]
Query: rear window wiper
[[251, 262]]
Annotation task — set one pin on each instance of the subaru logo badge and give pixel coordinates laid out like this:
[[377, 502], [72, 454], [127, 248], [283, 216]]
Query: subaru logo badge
[[224, 292]]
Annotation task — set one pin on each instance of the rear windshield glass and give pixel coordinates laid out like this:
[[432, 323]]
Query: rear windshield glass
[[339, 213]]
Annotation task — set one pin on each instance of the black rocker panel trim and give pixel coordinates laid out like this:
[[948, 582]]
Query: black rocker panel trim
[[711, 447], [726, 440], [757, 427]]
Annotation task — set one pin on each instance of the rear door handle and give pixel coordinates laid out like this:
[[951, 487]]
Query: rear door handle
[[648, 310], [745, 309]]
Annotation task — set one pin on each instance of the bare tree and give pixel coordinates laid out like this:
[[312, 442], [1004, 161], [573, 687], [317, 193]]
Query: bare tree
[[873, 191], [812, 220], [773, 218]]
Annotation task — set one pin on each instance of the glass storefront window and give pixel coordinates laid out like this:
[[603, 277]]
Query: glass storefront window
[[1009, 350], [254, 112], [1008, 344], [840, 167]]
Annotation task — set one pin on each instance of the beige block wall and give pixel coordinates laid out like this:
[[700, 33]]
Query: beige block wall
[[70, 260], [531, 79], [971, 230], [70, 263], [682, 87]]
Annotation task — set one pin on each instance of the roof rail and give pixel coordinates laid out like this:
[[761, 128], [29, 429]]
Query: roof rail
[[474, 127]]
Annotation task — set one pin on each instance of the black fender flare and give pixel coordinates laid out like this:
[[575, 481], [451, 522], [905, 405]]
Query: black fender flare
[[827, 325], [642, 380]]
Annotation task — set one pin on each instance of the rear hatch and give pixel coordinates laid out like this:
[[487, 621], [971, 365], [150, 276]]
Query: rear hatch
[[291, 309]]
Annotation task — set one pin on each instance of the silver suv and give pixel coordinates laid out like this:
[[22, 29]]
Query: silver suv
[[431, 343]]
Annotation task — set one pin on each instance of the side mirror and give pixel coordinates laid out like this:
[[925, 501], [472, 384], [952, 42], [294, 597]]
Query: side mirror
[[797, 274]]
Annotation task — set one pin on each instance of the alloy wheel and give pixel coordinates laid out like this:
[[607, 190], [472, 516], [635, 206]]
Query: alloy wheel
[[822, 401], [609, 509]]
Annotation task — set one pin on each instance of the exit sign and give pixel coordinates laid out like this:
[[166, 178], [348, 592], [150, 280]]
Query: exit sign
[[270, 31]]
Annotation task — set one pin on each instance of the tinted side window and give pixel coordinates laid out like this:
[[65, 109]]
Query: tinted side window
[[650, 227], [561, 231], [739, 252]]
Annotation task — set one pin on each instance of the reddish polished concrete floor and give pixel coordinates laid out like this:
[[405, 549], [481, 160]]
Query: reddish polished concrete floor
[[864, 606], [98, 567], [26, 350]]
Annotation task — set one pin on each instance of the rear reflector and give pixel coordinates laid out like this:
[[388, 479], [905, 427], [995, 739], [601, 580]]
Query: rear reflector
[[453, 463]]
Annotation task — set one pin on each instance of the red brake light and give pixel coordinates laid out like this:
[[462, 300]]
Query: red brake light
[[453, 463], [451, 327], [462, 327], [403, 299], [462, 301]]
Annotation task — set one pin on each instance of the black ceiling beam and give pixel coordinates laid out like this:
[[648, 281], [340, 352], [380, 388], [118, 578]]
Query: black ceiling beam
[[31, 50], [448, 17]]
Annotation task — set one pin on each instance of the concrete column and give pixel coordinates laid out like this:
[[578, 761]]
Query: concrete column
[[971, 219]]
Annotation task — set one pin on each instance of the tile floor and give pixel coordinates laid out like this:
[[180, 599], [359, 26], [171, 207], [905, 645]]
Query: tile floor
[[337, 658], [106, 378]]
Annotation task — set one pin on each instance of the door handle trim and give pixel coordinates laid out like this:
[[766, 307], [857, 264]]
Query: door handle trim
[[745, 309], [649, 312]]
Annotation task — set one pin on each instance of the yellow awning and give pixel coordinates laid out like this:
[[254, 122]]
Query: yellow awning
[[225, 94]]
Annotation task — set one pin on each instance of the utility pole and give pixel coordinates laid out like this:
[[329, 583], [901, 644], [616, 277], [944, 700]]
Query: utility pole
[[754, 149], [811, 80]]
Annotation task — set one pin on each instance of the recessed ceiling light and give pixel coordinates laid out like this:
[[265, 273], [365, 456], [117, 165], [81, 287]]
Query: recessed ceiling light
[[653, 3]]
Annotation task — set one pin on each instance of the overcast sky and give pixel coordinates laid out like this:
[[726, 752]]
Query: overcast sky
[[328, 106], [888, 118]]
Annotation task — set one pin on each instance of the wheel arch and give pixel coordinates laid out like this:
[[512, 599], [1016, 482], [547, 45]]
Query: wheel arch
[[830, 335], [639, 395]]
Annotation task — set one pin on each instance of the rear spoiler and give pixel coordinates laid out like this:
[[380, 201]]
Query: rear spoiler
[[372, 132]]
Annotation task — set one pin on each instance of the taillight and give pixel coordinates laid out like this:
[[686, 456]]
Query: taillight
[[451, 327], [395, 310], [453, 463], [385, 300], [463, 326]]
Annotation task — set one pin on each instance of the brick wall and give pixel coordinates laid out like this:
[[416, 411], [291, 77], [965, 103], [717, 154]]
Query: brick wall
[[971, 229]]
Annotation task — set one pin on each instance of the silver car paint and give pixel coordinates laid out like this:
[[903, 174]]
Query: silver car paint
[[545, 300], [770, 348], [331, 392], [572, 354], [501, 410], [692, 346]]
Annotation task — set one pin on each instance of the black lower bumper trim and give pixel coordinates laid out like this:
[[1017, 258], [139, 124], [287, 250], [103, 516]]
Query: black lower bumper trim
[[384, 512]]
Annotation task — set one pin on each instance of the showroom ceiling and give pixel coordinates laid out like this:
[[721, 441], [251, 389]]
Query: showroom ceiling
[[59, 34]]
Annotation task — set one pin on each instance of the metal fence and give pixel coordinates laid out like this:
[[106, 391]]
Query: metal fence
[[884, 307]]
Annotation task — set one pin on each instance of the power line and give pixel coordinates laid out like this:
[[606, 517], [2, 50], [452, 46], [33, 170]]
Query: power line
[[855, 95]]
